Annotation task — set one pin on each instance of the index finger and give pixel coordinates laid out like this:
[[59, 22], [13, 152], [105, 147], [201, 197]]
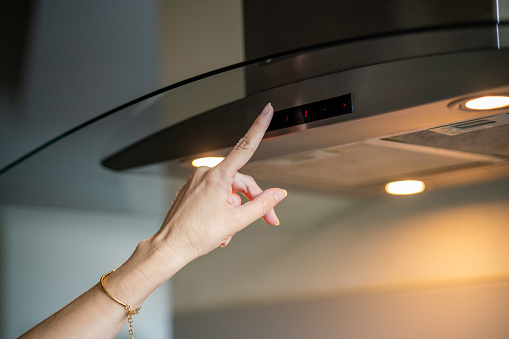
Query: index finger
[[246, 146]]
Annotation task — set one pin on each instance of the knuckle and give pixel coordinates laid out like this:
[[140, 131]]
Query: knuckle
[[200, 172], [206, 175], [266, 206], [243, 144], [213, 176]]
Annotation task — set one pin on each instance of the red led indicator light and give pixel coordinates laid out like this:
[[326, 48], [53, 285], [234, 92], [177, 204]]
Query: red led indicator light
[[309, 113]]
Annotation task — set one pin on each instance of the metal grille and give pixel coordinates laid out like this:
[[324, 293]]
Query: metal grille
[[490, 141]]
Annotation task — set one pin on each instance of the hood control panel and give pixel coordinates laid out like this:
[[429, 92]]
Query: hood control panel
[[304, 114]]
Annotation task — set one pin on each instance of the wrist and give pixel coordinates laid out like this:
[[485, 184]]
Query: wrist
[[142, 273], [174, 246], [155, 263]]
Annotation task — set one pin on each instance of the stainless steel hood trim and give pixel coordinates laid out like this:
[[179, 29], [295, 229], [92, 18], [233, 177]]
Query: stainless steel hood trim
[[208, 130]]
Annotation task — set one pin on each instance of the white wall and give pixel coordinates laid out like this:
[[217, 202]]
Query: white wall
[[434, 265], [459, 312], [84, 58], [325, 247], [51, 255]]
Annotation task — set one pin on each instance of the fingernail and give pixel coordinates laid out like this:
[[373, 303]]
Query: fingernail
[[277, 223], [280, 195], [266, 110]]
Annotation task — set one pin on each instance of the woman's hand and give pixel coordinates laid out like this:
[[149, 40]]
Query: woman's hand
[[207, 211]]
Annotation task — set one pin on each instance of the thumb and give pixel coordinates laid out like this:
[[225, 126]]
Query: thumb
[[258, 207]]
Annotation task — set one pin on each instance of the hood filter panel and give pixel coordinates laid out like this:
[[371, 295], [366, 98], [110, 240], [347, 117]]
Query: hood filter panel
[[357, 167], [488, 136], [466, 151]]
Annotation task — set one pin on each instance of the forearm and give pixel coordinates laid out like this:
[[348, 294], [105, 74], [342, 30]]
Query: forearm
[[94, 314]]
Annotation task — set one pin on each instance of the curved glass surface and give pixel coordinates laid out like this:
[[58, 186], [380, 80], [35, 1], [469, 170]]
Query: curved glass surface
[[196, 95], [69, 165]]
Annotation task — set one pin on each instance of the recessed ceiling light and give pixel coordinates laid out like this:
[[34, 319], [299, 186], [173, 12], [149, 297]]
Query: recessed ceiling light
[[488, 102], [482, 103], [405, 187], [207, 161]]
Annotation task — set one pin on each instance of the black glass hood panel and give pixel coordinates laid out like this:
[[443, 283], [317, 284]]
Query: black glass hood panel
[[380, 74]]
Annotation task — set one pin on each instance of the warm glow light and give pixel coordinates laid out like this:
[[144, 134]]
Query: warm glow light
[[488, 102], [404, 187], [207, 161]]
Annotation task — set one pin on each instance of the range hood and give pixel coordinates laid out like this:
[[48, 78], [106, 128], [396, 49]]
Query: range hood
[[395, 92]]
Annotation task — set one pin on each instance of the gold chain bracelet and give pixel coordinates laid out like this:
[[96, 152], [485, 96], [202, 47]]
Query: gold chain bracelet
[[127, 307]]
